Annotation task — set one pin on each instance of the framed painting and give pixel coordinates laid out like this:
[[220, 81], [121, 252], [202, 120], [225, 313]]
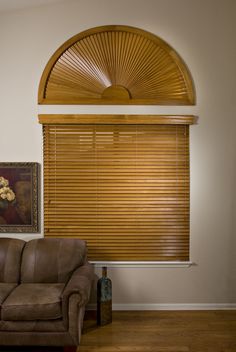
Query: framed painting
[[19, 197]]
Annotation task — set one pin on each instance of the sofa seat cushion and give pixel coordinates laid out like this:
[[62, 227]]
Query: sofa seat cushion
[[33, 302], [53, 325], [5, 290]]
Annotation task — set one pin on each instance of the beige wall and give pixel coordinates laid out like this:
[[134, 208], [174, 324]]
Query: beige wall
[[203, 34]]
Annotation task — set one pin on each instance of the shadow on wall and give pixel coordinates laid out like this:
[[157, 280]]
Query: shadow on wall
[[232, 245]]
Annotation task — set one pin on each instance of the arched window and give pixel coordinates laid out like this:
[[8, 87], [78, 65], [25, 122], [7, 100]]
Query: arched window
[[121, 182], [116, 65]]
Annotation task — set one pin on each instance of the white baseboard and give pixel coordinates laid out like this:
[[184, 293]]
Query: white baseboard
[[170, 306]]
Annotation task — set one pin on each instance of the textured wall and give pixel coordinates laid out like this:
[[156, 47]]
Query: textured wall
[[202, 31]]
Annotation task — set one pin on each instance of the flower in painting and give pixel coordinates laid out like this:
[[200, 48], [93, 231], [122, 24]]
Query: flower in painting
[[3, 182], [6, 193]]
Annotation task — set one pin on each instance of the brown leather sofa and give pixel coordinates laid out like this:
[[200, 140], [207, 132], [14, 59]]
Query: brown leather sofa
[[44, 287]]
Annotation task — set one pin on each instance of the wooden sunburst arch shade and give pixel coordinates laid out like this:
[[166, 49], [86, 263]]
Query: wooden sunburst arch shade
[[116, 65]]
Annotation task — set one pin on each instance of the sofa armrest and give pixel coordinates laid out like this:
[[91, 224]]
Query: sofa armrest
[[80, 283]]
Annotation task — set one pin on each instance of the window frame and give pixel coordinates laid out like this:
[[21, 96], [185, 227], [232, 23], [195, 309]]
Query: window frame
[[124, 119]]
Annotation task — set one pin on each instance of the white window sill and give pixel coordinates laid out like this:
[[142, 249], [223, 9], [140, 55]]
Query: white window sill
[[129, 264]]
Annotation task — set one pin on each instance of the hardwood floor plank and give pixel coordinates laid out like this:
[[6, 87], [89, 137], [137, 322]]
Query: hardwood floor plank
[[162, 331]]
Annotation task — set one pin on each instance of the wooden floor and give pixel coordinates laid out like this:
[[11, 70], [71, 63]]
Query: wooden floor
[[162, 331], [156, 331]]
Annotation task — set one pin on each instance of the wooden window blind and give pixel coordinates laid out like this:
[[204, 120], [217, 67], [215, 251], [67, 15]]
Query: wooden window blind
[[122, 188]]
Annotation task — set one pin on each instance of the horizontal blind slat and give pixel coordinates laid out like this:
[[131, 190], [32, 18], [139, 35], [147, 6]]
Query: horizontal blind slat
[[122, 188]]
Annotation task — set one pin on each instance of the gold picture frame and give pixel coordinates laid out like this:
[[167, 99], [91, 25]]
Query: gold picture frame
[[19, 197]]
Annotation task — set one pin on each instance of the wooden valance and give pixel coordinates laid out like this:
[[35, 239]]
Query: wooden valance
[[48, 119]]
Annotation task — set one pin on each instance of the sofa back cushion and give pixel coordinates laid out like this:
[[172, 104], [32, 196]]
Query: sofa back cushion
[[10, 259], [51, 260]]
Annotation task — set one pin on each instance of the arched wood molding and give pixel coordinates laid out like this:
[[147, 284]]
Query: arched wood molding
[[116, 65]]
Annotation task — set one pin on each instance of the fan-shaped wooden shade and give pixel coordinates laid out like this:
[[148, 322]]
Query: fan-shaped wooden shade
[[116, 65]]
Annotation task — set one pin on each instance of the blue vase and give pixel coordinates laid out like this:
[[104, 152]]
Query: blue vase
[[104, 299]]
